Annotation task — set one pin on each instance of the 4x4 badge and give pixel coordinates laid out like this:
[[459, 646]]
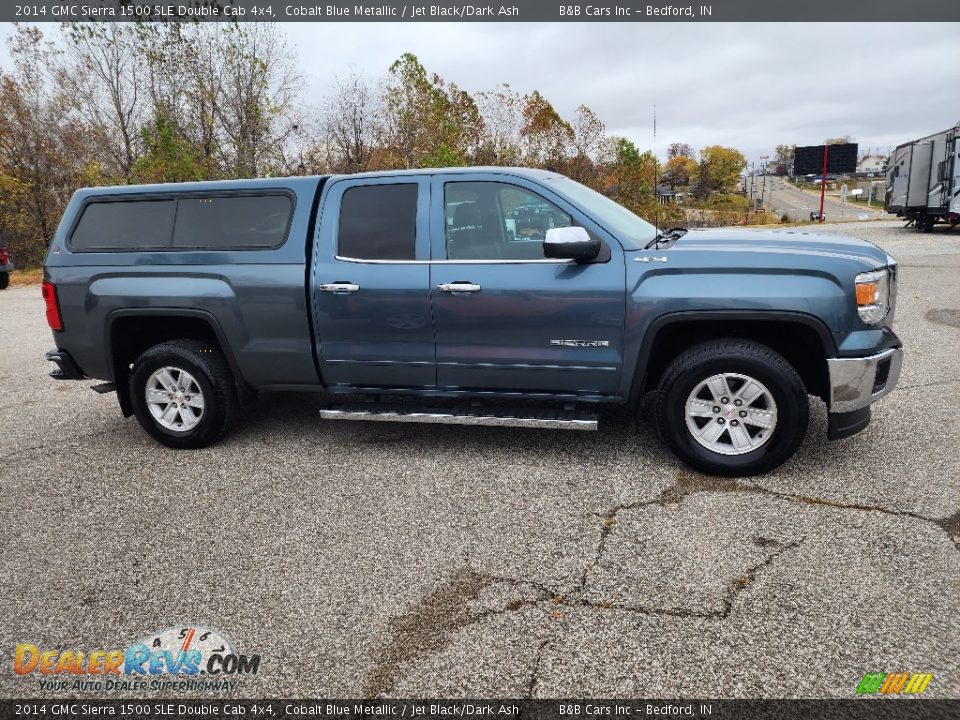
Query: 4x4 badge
[[652, 258]]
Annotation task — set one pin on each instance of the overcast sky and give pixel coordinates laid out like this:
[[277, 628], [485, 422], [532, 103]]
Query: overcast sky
[[749, 85]]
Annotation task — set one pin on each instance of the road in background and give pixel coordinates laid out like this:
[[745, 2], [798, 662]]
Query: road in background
[[797, 204]]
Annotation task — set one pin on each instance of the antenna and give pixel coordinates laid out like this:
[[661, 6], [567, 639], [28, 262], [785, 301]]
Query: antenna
[[656, 179]]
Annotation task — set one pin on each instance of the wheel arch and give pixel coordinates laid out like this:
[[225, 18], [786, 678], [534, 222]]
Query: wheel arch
[[131, 331], [804, 341]]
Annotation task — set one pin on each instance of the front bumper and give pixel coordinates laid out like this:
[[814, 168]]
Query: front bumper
[[856, 383]]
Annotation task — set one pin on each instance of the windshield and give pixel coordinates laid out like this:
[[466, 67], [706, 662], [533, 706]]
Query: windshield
[[612, 217]]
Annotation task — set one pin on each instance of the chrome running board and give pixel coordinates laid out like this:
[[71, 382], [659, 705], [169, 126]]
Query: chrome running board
[[501, 417]]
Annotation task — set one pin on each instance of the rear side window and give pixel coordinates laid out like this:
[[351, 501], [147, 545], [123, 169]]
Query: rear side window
[[379, 222], [124, 225], [251, 221]]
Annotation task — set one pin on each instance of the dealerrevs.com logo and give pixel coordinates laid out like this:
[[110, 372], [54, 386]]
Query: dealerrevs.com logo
[[182, 658]]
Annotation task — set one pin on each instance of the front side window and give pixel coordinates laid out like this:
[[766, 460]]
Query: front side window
[[378, 222], [497, 221]]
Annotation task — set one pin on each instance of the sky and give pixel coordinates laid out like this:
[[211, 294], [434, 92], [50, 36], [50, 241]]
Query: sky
[[749, 86]]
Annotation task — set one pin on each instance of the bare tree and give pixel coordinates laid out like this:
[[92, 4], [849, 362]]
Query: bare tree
[[100, 79], [256, 109], [349, 123]]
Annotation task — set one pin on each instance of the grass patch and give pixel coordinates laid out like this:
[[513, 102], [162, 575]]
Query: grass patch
[[26, 277]]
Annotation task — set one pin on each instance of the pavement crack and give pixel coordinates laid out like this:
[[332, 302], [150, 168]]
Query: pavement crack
[[534, 678], [688, 484], [59, 444], [736, 587]]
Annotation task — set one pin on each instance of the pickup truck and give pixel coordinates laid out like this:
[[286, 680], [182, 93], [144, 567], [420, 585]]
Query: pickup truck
[[490, 296]]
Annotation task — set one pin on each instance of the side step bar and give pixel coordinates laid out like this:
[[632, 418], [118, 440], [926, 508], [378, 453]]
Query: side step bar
[[498, 417]]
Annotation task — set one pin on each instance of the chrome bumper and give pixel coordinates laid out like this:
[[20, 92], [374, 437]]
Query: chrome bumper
[[855, 383]]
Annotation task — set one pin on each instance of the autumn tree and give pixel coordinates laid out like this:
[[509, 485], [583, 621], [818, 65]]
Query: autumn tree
[[428, 122], [680, 171], [783, 154], [588, 135], [547, 137], [44, 150], [721, 167]]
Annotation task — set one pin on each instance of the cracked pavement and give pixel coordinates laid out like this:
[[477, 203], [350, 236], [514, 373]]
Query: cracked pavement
[[370, 559]]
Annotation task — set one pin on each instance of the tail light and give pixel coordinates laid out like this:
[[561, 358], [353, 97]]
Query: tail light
[[4, 256], [49, 291]]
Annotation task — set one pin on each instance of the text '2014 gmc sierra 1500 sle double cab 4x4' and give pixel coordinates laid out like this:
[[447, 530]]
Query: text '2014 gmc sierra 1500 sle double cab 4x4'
[[477, 284]]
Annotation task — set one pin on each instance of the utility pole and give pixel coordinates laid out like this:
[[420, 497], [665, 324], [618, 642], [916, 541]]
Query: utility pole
[[823, 180]]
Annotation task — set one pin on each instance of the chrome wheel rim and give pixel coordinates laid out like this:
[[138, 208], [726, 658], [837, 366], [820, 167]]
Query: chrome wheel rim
[[174, 399], [731, 414]]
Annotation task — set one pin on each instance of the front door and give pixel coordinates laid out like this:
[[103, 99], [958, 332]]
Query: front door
[[371, 284], [506, 317]]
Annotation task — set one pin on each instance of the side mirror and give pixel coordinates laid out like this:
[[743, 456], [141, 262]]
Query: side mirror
[[570, 243]]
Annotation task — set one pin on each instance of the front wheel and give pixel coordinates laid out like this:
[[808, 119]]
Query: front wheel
[[183, 393], [732, 407]]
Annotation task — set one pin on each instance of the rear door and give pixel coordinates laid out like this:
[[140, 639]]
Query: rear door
[[371, 284], [506, 317]]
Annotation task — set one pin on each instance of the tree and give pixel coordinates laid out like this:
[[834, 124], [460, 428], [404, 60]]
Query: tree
[[169, 156], [255, 112], [588, 135], [784, 153], [721, 167], [349, 123], [429, 123], [501, 110], [679, 149], [44, 150], [547, 137], [838, 140], [680, 171], [101, 80]]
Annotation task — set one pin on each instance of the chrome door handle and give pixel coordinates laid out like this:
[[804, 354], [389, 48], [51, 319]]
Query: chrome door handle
[[458, 287], [340, 287]]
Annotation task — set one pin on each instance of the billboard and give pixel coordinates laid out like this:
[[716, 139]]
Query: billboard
[[808, 160]]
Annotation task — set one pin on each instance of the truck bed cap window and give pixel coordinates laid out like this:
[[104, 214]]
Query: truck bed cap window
[[239, 221], [124, 225]]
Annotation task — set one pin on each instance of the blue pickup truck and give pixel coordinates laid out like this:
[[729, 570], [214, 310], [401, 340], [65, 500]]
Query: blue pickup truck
[[491, 296]]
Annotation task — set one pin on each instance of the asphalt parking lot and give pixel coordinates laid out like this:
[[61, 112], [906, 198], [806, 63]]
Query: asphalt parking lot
[[363, 559]]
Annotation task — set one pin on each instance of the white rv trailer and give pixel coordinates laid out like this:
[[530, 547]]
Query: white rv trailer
[[923, 180]]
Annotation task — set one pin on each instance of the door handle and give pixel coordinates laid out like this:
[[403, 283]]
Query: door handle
[[340, 288], [458, 287]]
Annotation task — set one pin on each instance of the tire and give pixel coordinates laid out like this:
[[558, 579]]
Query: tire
[[687, 404], [4, 280], [198, 368]]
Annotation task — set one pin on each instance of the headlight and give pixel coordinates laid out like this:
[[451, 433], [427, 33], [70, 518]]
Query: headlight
[[873, 295]]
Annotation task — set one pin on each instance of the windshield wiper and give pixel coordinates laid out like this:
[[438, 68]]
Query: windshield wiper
[[665, 237]]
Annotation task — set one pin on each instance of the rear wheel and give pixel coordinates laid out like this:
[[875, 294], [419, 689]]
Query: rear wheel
[[183, 393], [732, 407], [4, 280]]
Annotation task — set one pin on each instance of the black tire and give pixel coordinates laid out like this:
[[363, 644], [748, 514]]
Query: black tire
[[4, 280], [212, 373], [742, 357]]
